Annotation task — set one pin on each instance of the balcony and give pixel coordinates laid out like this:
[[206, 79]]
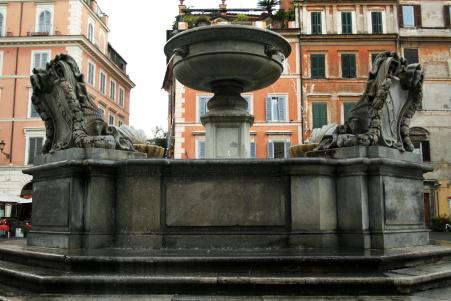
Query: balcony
[[116, 58], [42, 30]]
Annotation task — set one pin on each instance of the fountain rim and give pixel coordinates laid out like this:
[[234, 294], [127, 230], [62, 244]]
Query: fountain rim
[[227, 32]]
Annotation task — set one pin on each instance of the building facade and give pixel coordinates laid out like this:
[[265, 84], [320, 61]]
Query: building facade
[[31, 34], [334, 44]]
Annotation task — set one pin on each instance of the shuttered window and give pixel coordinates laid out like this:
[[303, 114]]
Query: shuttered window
[[112, 90], [34, 148], [318, 66], [248, 98], [446, 16], [200, 149], [410, 16], [2, 25], [40, 60], [319, 114], [348, 68], [346, 22], [91, 73], [202, 108], [423, 148], [411, 55], [347, 106], [376, 20], [253, 150], [276, 108], [316, 23], [102, 82], [91, 32], [278, 149]]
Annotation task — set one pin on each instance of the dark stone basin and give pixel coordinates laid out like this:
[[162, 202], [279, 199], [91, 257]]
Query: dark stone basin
[[249, 57]]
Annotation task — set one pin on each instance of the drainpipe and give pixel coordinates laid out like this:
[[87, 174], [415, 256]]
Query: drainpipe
[[14, 89]]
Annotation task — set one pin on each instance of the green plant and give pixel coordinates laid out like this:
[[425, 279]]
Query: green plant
[[438, 223], [291, 14], [201, 19], [241, 18], [280, 15], [191, 20], [268, 5]]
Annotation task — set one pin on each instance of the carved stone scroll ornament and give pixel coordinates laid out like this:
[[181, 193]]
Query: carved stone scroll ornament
[[393, 94], [71, 117]]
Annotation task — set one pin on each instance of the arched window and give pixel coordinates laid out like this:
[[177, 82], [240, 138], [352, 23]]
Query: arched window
[[90, 32], [45, 21], [2, 18]]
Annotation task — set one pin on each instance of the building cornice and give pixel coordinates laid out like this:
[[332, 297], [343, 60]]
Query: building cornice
[[78, 40], [369, 38], [425, 39], [344, 2]]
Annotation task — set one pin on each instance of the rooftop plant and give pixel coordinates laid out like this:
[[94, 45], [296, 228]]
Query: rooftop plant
[[268, 5]]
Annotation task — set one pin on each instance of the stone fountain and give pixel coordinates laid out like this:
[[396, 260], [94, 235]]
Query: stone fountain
[[346, 220], [227, 60]]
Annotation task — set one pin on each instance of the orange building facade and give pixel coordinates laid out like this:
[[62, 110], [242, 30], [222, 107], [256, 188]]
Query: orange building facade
[[31, 34]]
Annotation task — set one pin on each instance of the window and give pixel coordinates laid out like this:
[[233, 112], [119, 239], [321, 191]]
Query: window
[[112, 90], [276, 108], [200, 150], [278, 149], [348, 69], [1, 62], [91, 73], [91, 31], [202, 108], [102, 82], [319, 115], [102, 111], [121, 97], [248, 98], [411, 55], [120, 122], [316, 23], [40, 59], [422, 148], [44, 21], [376, 21], [347, 106], [446, 16], [373, 58], [317, 65], [111, 119], [2, 21], [346, 22], [34, 149], [410, 16], [32, 113], [253, 150]]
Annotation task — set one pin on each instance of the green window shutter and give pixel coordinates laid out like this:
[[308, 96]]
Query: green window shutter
[[268, 108], [346, 22], [347, 106], [281, 106], [319, 114], [270, 153], [287, 146], [316, 23], [376, 19], [318, 68], [253, 150], [348, 68]]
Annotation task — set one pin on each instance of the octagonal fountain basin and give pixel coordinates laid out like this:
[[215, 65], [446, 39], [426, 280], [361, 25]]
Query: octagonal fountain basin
[[249, 57]]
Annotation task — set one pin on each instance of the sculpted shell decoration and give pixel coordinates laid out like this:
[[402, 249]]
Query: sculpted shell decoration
[[393, 94], [71, 117]]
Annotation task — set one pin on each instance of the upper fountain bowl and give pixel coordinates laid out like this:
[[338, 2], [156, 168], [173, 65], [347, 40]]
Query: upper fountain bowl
[[208, 56]]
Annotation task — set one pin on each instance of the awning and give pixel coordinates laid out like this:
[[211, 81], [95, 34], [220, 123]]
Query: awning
[[10, 198]]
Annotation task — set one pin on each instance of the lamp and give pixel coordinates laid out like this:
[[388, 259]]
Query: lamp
[[2, 147]]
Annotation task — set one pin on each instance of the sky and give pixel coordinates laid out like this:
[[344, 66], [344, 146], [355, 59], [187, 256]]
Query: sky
[[138, 33]]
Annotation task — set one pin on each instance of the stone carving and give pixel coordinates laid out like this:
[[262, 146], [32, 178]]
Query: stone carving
[[71, 117], [382, 116]]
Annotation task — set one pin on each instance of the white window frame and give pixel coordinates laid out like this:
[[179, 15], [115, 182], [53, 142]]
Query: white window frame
[[353, 19], [250, 103], [370, 20], [100, 81], [115, 90], [356, 54], [279, 140], [32, 133], [30, 104], [120, 121], [39, 10], [413, 16], [323, 21], [111, 114], [121, 89], [102, 108], [198, 141], [49, 56], [287, 113], [90, 62], [1, 62], [91, 23], [198, 104], [3, 12]]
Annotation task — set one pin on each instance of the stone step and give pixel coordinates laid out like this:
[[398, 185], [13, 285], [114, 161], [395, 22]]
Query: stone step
[[398, 281]]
